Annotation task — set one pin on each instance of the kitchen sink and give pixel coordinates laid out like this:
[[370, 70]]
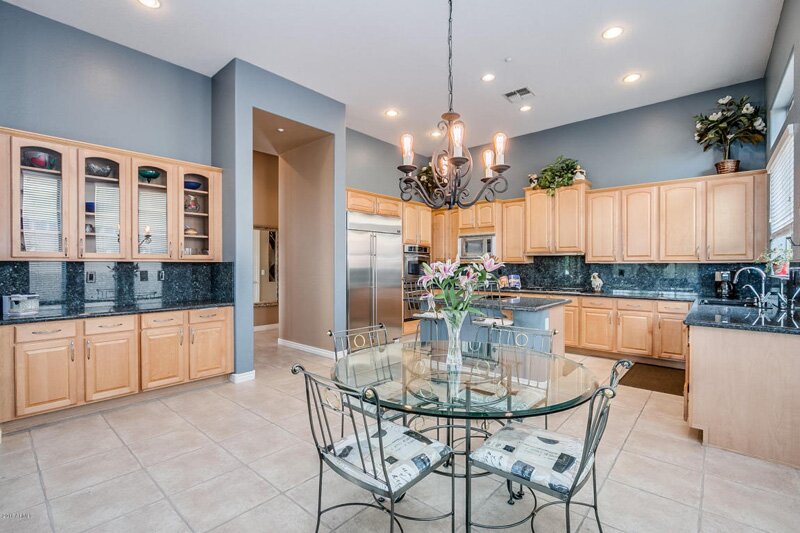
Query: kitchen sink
[[728, 303]]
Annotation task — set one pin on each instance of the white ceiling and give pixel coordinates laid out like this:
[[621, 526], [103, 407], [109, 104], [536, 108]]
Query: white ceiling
[[373, 55]]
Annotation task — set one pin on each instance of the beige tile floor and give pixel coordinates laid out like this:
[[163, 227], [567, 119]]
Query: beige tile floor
[[238, 458]]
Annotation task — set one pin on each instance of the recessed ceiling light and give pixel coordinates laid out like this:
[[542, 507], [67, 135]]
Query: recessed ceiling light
[[281, 130], [488, 77], [391, 113], [613, 32], [632, 78], [152, 4], [435, 133], [525, 108]]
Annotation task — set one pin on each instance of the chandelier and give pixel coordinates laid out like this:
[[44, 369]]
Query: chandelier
[[451, 163]]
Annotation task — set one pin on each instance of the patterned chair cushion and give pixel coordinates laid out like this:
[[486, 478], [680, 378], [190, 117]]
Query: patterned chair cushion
[[409, 455], [533, 456]]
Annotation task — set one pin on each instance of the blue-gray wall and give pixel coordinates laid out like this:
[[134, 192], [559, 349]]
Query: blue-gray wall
[[651, 143], [57, 80], [239, 88], [372, 164]]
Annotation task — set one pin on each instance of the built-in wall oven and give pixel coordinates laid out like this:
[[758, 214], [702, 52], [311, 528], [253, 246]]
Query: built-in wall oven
[[472, 247], [413, 258]]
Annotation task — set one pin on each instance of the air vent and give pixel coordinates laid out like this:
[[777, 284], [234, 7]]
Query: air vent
[[518, 95]]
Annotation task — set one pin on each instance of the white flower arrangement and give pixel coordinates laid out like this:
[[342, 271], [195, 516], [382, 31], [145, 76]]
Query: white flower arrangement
[[734, 121]]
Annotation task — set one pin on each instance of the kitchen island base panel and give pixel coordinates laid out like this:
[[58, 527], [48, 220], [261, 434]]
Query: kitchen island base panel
[[743, 392]]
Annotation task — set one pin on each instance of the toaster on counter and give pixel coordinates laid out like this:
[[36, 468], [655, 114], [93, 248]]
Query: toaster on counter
[[19, 305]]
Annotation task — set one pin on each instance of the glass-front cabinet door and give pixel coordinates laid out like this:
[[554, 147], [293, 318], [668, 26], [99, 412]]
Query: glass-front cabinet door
[[103, 188], [198, 214], [155, 187], [42, 185]]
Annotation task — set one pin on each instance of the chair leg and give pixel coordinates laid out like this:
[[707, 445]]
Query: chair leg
[[594, 491], [567, 514], [319, 498], [391, 515], [452, 494]]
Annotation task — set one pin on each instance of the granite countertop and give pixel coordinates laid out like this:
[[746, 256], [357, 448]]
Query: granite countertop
[[62, 312], [680, 296], [744, 318], [520, 303]]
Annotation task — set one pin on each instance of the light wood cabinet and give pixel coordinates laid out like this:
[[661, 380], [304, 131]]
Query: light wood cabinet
[[570, 219], [439, 235], [155, 209], [199, 227], [572, 320], [360, 201], [46, 375], [635, 332], [388, 207], [602, 227], [485, 215], [640, 224], [538, 216], [482, 217], [672, 337], [208, 349], [452, 238], [730, 209], [513, 232], [111, 366], [597, 329], [466, 218], [163, 356], [682, 219], [416, 224]]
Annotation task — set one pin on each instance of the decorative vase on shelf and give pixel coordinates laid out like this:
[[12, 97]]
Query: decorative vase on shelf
[[726, 166], [454, 321], [597, 283]]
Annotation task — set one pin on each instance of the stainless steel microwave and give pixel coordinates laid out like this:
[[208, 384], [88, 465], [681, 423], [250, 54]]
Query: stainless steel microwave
[[472, 247]]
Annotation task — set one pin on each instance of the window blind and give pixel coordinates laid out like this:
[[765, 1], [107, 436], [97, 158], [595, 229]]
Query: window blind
[[41, 212], [153, 213], [781, 185], [107, 218]]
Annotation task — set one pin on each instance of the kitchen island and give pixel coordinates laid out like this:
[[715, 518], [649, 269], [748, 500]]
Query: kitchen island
[[743, 371], [526, 312]]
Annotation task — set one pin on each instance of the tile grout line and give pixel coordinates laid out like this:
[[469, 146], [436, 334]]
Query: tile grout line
[[47, 506]]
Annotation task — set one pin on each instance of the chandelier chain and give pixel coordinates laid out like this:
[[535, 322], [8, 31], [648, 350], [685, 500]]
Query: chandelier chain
[[450, 56]]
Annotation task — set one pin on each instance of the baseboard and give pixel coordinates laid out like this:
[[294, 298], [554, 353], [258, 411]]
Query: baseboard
[[241, 378], [265, 327], [306, 348]]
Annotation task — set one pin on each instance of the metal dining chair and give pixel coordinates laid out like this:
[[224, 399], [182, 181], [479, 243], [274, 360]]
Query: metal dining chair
[[349, 341], [420, 308], [539, 340], [494, 317], [552, 463], [385, 458]]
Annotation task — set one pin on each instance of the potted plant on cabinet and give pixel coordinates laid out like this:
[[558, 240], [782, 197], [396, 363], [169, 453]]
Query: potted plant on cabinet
[[560, 173], [733, 121]]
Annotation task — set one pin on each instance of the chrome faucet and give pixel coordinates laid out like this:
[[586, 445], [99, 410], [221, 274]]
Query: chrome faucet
[[793, 299], [761, 299]]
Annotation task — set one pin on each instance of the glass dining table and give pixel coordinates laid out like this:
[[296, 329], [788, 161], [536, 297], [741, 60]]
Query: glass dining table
[[493, 382]]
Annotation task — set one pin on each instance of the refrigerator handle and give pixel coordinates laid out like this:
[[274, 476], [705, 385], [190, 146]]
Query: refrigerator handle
[[374, 279]]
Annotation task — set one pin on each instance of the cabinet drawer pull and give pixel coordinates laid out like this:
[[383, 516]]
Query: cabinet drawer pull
[[66, 247], [162, 320], [72, 350], [51, 332], [194, 331], [80, 247], [212, 315], [181, 336], [88, 349], [111, 325]]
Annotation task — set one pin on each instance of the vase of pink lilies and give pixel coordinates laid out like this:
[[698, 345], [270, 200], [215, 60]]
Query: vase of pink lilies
[[454, 285]]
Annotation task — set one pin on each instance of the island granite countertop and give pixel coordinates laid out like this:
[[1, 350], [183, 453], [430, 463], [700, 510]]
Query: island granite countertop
[[520, 303], [678, 296], [770, 320], [49, 313]]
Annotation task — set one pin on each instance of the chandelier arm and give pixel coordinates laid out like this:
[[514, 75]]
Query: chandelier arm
[[411, 186], [498, 184]]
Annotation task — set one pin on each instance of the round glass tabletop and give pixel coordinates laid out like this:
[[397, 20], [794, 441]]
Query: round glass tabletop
[[494, 381]]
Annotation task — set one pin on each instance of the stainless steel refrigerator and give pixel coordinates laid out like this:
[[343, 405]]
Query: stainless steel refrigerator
[[374, 272]]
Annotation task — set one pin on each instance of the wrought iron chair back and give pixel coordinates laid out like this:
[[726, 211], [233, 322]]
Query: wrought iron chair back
[[326, 399], [352, 340], [539, 340]]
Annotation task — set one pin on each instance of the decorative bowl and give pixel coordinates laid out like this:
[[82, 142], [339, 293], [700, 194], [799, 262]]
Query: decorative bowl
[[98, 169], [148, 174], [38, 159], [190, 231], [90, 207], [193, 185], [190, 203]]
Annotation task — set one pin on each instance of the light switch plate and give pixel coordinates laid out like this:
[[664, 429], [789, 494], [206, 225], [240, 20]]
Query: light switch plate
[[160, 275]]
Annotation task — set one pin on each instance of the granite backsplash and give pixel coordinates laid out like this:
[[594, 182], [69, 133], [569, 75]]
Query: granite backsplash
[[572, 271], [77, 284]]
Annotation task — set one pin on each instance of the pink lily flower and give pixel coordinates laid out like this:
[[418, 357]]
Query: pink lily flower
[[490, 264]]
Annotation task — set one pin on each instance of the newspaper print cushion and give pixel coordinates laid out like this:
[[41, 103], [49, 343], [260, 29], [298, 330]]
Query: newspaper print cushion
[[534, 455], [408, 455]]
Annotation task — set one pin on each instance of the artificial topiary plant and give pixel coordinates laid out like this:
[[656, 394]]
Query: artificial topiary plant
[[559, 173]]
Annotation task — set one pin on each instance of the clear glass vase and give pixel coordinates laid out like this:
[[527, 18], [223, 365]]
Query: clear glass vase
[[454, 321]]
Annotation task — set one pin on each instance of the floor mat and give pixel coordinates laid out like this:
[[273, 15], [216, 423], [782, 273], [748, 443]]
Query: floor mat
[[655, 378]]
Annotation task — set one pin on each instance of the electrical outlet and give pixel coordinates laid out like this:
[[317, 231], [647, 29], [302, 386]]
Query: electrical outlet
[[91, 277], [621, 273], [143, 275], [160, 275]]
